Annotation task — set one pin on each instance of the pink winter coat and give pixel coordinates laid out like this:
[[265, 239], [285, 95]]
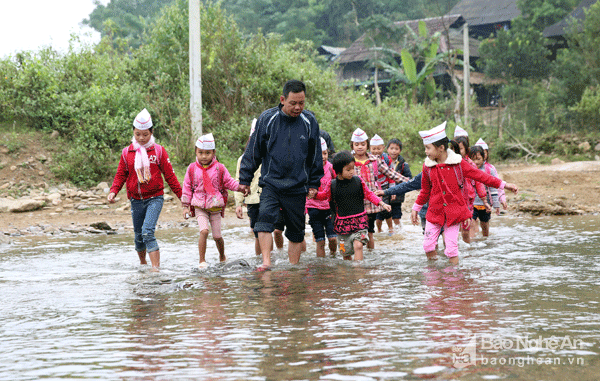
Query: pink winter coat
[[328, 176], [193, 186]]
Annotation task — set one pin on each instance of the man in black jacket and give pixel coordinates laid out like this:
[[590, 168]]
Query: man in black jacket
[[287, 144]]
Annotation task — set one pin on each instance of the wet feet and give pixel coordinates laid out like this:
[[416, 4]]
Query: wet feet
[[203, 265], [262, 268]]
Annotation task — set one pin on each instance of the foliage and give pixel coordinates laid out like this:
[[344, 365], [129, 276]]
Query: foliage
[[91, 95], [128, 19], [521, 53], [330, 22], [588, 109], [421, 51], [517, 54]]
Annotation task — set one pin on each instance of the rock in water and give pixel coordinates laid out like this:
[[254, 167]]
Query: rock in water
[[101, 226]]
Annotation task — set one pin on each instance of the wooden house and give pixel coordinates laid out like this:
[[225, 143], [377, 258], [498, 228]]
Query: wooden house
[[353, 62], [485, 17]]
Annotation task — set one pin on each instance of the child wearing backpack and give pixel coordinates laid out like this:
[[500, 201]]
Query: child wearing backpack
[[395, 161], [141, 168], [368, 167], [205, 195], [346, 194], [443, 186], [319, 211]]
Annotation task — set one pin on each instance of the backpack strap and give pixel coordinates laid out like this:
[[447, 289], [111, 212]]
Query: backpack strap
[[461, 181]]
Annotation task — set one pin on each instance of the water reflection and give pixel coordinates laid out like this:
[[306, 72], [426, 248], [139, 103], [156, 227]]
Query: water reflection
[[68, 314]]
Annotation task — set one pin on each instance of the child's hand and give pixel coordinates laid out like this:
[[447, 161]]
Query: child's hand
[[186, 212], [379, 193], [414, 217], [244, 189], [512, 187], [111, 197], [488, 207], [504, 205], [393, 197], [497, 211], [312, 192], [466, 224], [239, 213]]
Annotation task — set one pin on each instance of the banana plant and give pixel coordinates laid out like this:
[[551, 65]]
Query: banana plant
[[427, 52]]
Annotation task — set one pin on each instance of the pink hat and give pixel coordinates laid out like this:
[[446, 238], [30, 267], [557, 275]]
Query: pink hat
[[377, 141], [143, 120], [359, 136], [433, 135]]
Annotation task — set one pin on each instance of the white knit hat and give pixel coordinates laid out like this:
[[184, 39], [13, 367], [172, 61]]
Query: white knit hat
[[433, 135], [253, 127], [459, 131], [377, 141], [206, 142], [323, 144], [359, 136], [481, 143], [143, 120]]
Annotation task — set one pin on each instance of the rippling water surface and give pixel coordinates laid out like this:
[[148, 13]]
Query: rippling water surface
[[522, 304]]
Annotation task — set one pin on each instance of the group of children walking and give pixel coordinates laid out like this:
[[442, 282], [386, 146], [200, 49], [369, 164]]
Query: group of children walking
[[457, 186]]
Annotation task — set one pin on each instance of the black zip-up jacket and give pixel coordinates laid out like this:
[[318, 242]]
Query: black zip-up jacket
[[289, 150]]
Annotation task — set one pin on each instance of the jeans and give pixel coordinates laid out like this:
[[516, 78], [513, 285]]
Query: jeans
[[145, 215]]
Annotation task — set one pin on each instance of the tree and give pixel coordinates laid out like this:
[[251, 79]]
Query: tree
[[520, 53], [130, 18]]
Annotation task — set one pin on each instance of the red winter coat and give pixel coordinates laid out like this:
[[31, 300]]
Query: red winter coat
[[159, 164], [440, 187]]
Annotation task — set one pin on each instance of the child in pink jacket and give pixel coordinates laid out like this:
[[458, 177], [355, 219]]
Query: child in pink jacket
[[205, 194]]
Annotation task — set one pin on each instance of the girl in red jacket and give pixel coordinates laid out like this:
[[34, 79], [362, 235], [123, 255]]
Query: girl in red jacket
[[443, 186], [140, 168]]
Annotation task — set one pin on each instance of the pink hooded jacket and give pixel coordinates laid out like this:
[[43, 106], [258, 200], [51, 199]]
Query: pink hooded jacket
[[193, 186]]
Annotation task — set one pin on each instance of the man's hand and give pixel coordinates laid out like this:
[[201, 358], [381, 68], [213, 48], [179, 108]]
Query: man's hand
[[312, 192], [414, 217], [239, 213], [385, 206], [244, 189]]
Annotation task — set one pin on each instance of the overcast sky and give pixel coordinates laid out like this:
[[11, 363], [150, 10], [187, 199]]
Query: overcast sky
[[31, 24]]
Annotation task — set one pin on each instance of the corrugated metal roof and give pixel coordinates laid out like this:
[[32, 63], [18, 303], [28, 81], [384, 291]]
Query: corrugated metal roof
[[482, 12], [357, 51], [559, 28]]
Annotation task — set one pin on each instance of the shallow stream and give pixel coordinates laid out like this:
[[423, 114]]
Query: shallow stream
[[523, 304]]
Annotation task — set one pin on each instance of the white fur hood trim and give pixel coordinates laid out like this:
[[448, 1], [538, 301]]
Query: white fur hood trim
[[453, 158]]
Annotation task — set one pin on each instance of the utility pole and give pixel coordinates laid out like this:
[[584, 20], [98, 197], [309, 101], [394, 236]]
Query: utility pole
[[195, 69], [466, 71]]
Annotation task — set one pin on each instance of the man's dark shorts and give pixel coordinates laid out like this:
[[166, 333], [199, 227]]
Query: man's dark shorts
[[292, 209]]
